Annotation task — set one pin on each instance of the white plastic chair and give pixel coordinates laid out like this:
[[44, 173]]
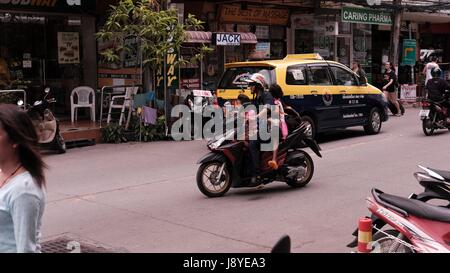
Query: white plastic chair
[[126, 102], [83, 94]]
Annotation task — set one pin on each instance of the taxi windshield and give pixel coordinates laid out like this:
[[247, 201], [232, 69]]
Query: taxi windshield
[[234, 77]]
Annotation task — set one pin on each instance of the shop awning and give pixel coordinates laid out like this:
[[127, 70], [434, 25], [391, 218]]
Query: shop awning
[[198, 37], [248, 38]]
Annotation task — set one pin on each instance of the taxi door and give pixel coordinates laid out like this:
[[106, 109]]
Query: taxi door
[[326, 105], [351, 96]]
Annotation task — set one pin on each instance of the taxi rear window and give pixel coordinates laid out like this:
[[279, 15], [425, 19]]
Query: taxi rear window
[[233, 78]]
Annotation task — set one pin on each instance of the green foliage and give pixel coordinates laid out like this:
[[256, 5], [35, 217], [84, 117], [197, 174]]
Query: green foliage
[[149, 132], [113, 133], [158, 31]]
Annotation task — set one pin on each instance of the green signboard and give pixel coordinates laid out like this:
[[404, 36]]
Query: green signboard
[[68, 6], [409, 52], [366, 16]]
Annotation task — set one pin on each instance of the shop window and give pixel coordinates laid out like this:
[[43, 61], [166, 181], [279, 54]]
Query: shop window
[[277, 33], [234, 78], [318, 75], [343, 77], [296, 75]]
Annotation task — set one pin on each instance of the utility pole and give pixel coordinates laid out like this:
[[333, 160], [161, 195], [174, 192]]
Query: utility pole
[[395, 36]]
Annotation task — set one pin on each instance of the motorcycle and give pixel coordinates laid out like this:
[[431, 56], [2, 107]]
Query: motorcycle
[[417, 226], [436, 184], [45, 124], [434, 115], [228, 164]]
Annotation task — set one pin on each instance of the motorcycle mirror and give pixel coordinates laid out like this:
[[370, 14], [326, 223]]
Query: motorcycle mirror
[[283, 245], [20, 103], [47, 90]]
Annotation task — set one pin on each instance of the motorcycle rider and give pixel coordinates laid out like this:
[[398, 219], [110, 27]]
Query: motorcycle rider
[[261, 97], [436, 90]]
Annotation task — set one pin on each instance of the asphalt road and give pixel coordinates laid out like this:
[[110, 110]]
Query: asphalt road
[[143, 196]]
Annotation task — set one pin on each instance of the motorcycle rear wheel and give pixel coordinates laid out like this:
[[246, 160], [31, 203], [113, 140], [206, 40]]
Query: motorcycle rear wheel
[[206, 177], [60, 144], [428, 127], [384, 244], [303, 180]]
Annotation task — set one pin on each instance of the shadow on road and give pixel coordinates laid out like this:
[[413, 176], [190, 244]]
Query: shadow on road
[[339, 135]]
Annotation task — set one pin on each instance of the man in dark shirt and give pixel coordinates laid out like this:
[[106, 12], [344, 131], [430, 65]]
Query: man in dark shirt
[[436, 89]]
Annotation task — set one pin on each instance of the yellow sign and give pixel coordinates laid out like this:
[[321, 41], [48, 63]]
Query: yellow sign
[[253, 15]]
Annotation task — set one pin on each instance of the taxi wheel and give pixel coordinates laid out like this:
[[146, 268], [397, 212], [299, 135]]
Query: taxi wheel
[[311, 131], [373, 126]]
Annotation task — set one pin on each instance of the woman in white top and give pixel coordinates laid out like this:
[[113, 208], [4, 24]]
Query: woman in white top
[[22, 182], [428, 68]]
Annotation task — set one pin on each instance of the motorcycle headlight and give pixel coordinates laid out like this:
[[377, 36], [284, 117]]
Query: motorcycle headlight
[[216, 144]]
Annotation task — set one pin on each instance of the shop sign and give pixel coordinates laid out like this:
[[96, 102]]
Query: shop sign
[[253, 15], [409, 52], [228, 39], [49, 5], [331, 28], [190, 83], [68, 48], [366, 16], [171, 76], [408, 92]]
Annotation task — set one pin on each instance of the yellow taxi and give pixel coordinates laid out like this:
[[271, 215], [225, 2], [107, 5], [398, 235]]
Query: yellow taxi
[[328, 95]]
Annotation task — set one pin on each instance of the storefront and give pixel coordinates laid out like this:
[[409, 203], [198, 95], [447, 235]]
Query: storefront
[[49, 43], [343, 35]]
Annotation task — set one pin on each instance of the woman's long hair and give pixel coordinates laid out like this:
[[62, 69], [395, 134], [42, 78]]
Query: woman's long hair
[[20, 130]]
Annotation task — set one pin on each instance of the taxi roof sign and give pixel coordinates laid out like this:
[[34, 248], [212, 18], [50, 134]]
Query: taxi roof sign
[[309, 56]]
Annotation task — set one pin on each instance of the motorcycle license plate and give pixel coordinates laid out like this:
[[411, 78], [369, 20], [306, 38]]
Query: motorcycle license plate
[[424, 113]]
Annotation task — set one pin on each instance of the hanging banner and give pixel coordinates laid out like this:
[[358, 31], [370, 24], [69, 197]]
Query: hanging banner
[[68, 48]]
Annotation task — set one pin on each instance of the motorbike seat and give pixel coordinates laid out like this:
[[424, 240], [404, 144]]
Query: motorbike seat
[[444, 174], [418, 208]]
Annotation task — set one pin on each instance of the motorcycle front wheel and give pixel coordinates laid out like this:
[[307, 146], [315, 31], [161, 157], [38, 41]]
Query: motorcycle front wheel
[[208, 181], [428, 127], [300, 174]]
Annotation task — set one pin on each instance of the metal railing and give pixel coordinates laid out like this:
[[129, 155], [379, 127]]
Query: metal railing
[[17, 91], [113, 89]]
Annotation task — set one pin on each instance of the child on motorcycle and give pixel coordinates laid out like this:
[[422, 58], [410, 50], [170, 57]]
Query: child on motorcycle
[[278, 123]]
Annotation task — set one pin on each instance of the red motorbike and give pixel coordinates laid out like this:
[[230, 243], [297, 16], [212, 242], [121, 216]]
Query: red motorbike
[[414, 224], [434, 115], [228, 163]]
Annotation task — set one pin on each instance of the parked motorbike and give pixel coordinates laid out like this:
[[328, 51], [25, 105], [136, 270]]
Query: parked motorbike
[[436, 185], [434, 115], [228, 164], [415, 225], [45, 124]]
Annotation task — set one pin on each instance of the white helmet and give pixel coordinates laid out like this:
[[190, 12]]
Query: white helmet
[[258, 78]]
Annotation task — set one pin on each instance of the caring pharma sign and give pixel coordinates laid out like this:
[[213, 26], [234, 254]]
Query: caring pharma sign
[[366, 16]]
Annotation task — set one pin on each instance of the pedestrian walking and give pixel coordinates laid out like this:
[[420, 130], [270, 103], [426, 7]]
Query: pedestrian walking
[[390, 87], [22, 183]]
